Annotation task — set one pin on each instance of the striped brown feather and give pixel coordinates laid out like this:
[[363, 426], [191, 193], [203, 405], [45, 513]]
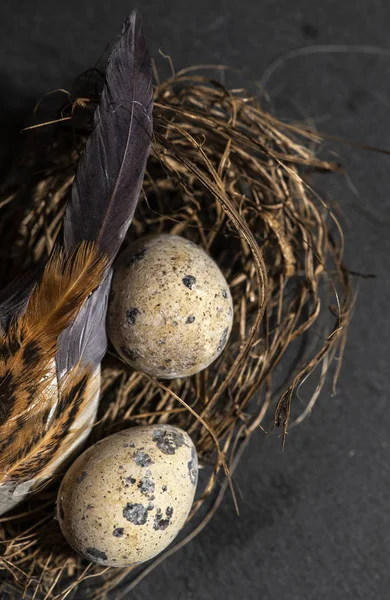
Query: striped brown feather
[[28, 348], [39, 454], [66, 283]]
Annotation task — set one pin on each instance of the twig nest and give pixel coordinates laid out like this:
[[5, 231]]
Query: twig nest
[[128, 496], [171, 311], [204, 136]]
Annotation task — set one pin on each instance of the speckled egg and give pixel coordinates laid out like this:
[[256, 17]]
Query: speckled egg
[[127, 497], [170, 312]]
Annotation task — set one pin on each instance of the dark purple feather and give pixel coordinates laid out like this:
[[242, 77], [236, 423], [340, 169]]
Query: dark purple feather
[[108, 182], [110, 174]]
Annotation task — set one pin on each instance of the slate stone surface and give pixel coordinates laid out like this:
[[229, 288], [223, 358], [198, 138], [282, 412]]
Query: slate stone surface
[[314, 521]]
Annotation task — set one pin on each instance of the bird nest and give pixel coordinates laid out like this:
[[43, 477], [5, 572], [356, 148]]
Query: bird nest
[[238, 182]]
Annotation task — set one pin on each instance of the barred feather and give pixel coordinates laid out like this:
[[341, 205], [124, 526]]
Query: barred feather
[[50, 355], [28, 350], [48, 446], [65, 285]]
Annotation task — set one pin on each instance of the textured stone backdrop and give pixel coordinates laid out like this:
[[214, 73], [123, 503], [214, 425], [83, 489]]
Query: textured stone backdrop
[[314, 519]]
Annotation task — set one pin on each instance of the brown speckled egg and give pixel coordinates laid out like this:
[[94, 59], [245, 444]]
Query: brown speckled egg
[[170, 311], [128, 496]]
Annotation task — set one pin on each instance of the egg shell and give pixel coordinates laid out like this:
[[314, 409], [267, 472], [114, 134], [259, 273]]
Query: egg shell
[[127, 497], [170, 312]]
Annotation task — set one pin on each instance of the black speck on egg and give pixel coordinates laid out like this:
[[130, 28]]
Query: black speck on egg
[[190, 319], [142, 459], [189, 281], [81, 478], [118, 532], [135, 258], [132, 314], [135, 513], [130, 479], [129, 353], [192, 467], [95, 554], [168, 440], [223, 340], [146, 486], [159, 522]]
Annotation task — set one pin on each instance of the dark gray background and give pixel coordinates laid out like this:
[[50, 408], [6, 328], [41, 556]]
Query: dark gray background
[[314, 519]]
